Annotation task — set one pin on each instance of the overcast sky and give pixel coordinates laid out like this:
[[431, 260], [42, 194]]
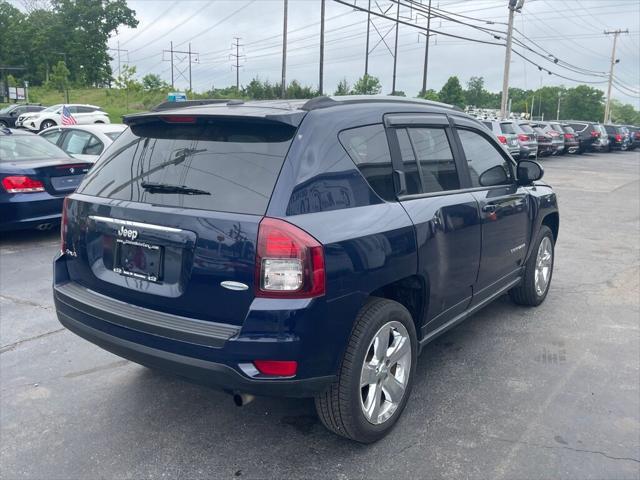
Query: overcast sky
[[570, 29]]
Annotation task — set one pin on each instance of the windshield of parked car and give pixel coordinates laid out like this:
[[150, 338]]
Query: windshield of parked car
[[52, 108], [16, 148]]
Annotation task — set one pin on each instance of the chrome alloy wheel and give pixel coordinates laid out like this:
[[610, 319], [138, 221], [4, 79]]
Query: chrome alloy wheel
[[544, 264], [385, 372]]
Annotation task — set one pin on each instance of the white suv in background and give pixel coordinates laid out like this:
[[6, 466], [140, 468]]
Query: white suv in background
[[50, 117]]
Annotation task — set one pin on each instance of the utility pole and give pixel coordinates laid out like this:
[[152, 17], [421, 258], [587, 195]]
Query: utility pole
[[178, 57], [514, 6], [237, 56], [615, 33], [395, 51], [426, 52], [366, 56], [558, 109], [320, 82], [283, 87]]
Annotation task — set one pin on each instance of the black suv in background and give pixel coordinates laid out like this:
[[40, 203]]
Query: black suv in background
[[588, 134], [634, 137], [10, 114], [618, 138]]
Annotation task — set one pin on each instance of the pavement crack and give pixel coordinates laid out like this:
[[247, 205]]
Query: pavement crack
[[564, 447], [12, 346], [22, 301]]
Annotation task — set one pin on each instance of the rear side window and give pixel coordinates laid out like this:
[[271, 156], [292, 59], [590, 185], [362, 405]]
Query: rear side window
[[487, 166], [216, 164], [369, 150], [507, 127], [526, 128], [428, 161]]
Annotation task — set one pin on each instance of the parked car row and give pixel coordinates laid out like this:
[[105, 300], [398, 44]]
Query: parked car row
[[52, 116], [531, 139]]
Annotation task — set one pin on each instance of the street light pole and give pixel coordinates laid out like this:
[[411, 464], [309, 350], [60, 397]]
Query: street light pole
[[615, 33]]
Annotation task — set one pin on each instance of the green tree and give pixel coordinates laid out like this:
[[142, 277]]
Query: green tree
[[126, 81], [452, 92], [367, 85], [70, 30], [152, 82], [343, 88], [59, 78], [624, 113], [398, 93], [430, 94], [295, 90], [582, 103], [475, 94]]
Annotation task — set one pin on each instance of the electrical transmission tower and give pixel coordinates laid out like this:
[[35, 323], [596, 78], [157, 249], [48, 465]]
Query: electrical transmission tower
[[237, 57], [180, 63], [118, 50]]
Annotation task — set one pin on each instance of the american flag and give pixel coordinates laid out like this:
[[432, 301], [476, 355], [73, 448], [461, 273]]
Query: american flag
[[67, 118]]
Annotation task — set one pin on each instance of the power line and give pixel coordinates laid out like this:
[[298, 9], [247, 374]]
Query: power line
[[151, 23]]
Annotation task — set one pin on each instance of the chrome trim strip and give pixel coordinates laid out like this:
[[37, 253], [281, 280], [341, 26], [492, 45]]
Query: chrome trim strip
[[130, 223], [236, 286]]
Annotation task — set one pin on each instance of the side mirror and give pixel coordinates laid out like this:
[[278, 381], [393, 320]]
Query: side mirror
[[13, 113], [529, 171], [494, 176]]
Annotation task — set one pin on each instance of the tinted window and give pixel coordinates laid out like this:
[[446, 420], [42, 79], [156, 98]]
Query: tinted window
[[579, 127], [556, 127], [526, 128], [226, 165], [14, 148], [568, 129], [507, 127], [369, 150], [487, 166], [435, 167], [113, 135], [85, 109], [488, 125], [52, 136]]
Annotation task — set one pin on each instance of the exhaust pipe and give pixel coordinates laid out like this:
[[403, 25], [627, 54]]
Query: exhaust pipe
[[242, 399]]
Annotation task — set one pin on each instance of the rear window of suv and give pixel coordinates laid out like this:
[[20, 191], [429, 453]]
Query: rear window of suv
[[226, 165], [507, 127]]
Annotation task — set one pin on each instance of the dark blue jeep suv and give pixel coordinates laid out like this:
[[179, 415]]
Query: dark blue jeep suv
[[301, 248]]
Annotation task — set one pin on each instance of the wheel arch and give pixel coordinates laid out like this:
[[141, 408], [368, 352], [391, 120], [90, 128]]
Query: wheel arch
[[552, 220], [413, 293]]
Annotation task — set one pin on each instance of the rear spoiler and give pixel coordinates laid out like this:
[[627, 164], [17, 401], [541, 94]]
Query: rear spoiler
[[189, 103]]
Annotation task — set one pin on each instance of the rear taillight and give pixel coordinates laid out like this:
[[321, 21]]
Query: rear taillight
[[289, 262], [277, 368], [618, 137], [502, 139], [595, 134], [568, 135], [22, 184], [523, 138], [64, 221]]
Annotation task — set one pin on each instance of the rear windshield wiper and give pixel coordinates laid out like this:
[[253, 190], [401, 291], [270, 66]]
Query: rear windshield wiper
[[167, 188]]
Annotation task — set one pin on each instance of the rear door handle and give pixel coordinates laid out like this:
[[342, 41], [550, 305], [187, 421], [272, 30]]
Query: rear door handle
[[490, 208]]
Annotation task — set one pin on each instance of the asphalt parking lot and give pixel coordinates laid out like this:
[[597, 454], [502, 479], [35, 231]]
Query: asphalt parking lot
[[552, 392]]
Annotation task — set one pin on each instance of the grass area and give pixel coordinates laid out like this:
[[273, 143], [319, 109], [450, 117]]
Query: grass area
[[112, 101]]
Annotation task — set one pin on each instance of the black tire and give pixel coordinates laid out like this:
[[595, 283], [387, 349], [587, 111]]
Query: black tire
[[525, 293], [339, 407], [3, 124], [47, 124]]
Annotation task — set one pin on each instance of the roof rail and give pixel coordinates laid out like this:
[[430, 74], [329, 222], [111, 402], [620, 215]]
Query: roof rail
[[326, 101]]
